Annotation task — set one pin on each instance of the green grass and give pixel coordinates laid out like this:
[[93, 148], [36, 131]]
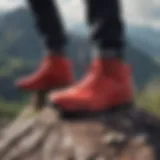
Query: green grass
[[10, 109], [149, 98]]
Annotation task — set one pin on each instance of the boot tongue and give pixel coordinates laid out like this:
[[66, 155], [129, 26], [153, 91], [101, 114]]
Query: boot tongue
[[108, 67]]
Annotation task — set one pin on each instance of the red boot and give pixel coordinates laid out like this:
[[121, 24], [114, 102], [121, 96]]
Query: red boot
[[108, 84], [54, 72]]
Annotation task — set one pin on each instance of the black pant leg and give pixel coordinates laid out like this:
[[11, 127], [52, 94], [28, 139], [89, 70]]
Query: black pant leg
[[104, 18], [49, 23]]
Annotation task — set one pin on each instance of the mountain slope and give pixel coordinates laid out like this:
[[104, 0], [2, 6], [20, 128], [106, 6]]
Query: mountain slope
[[145, 38], [21, 48]]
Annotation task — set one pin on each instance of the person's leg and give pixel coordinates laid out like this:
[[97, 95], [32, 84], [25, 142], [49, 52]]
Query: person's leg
[[49, 24], [107, 29], [55, 70], [109, 83]]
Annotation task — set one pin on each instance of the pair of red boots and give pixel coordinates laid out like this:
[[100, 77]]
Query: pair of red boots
[[108, 84]]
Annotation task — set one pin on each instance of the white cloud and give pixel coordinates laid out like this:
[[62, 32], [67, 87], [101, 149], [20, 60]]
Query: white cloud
[[72, 11], [141, 11], [10, 4], [135, 11]]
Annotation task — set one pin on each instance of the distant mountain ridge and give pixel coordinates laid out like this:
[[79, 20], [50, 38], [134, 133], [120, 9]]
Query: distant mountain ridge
[[21, 48], [145, 38]]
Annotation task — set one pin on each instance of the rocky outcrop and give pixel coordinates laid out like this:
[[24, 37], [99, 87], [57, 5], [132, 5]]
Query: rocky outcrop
[[131, 134]]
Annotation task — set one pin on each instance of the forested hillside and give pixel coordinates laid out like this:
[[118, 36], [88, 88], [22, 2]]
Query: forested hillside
[[21, 48]]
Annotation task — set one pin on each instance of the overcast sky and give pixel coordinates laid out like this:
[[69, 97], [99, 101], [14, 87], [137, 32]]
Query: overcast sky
[[135, 11]]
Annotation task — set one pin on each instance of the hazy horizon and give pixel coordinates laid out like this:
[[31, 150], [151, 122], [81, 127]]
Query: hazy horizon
[[137, 12]]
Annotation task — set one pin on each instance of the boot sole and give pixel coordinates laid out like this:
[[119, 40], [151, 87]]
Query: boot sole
[[90, 115]]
